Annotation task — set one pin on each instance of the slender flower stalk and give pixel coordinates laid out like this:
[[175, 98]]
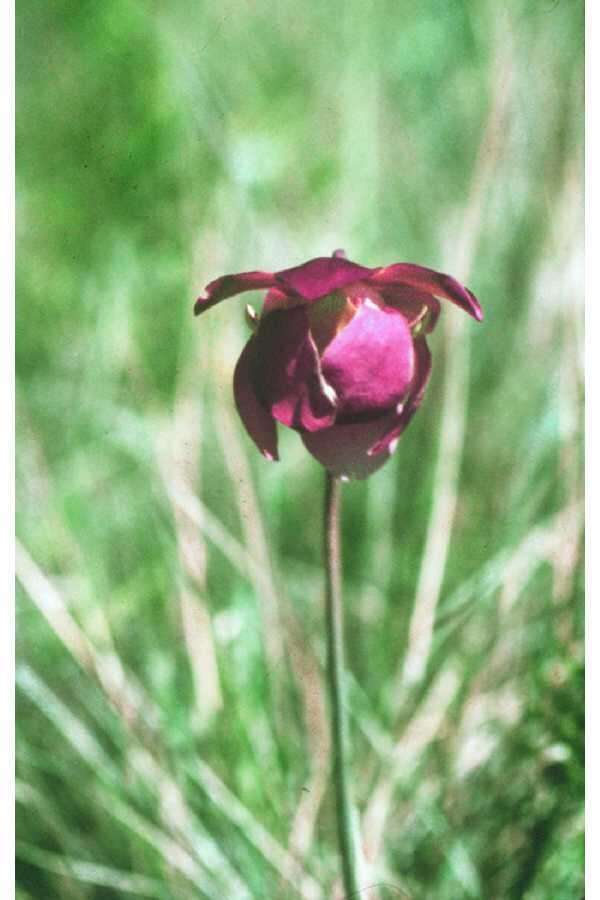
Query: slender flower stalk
[[335, 682]]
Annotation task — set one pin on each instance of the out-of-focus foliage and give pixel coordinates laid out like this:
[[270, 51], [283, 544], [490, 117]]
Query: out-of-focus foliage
[[171, 736]]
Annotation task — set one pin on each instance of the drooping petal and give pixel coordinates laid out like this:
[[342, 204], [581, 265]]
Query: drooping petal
[[229, 285], [277, 299], [343, 449], [320, 276], [288, 374], [389, 436], [259, 424], [429, 281], [370, 363]]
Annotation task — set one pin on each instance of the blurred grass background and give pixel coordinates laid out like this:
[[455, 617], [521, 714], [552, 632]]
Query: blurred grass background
[[172, 739]]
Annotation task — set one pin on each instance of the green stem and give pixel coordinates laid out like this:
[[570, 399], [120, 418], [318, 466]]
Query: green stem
[[335, 678]]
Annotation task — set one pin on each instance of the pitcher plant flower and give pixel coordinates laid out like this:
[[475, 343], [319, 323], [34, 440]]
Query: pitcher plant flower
[[339, 354]]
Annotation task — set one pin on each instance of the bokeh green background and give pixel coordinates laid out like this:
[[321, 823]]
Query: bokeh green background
[[172, 739]]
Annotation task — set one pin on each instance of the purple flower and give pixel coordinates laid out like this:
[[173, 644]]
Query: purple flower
[[339, 354]]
